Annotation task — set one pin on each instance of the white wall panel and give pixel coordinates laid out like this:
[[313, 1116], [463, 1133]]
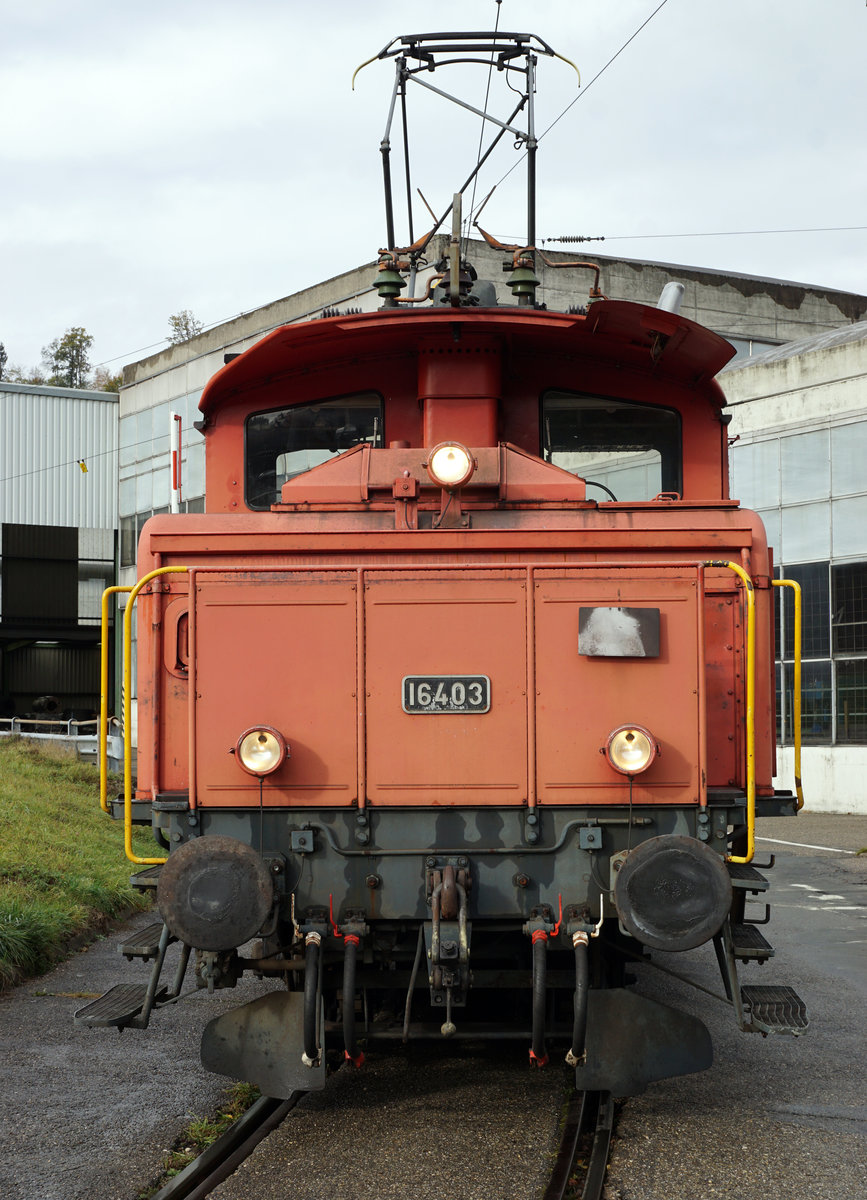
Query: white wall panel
[[43, 434]]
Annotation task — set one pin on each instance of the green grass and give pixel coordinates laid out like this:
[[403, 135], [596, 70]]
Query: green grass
[[63, 872]]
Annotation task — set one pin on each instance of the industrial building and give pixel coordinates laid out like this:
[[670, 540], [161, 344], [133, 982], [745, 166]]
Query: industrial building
[[798, 455], [58, 522]]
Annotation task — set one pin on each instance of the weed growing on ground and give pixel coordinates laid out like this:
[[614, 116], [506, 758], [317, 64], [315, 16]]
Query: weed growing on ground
[[202, 1132]]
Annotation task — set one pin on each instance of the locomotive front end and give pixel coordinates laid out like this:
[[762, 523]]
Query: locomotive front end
[[458, 699]]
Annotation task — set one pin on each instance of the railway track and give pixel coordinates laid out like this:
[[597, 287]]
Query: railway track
[[225, 1155], [578, 1171], [584, 1148]]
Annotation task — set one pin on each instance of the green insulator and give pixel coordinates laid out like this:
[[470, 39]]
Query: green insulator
[[523, 282], [388, 283]]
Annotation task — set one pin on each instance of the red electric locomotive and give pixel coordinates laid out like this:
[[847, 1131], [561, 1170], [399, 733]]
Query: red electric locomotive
[[459, 696]]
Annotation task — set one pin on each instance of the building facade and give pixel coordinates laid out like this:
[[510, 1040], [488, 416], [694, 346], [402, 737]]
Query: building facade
[[58, 522], [799, 457]]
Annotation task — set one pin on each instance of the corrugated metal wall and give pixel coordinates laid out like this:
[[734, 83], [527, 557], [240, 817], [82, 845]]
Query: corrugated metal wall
[[44, 432]]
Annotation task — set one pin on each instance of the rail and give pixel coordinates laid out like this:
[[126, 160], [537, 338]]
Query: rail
[[589, 1114], [197, 1180], [59, 727]]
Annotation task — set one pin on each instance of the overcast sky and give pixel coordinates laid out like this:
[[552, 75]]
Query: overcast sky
[[212, 155]]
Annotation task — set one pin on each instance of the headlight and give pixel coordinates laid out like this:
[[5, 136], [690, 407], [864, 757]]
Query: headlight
[[450, 465], [261, 750], [631, 749]]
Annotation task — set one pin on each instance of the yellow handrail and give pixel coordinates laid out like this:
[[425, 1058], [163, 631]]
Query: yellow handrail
[[796, 588], [127, 712], [102, 728], [751, 707]]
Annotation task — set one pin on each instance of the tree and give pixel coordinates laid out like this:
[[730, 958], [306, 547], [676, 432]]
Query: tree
[[66, 358], [104, 381], [16, 374], [183, 325], [3, 358]]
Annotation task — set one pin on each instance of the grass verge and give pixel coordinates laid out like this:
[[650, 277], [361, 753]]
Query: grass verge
[[63, 871]]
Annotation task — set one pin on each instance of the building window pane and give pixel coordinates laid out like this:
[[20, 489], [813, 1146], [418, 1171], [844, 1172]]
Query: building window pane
[[161, 488], [806, 533], [806, 466], [162, 418], [852, 700], [194, 469], [848, 456], [127, 433], [756, 473], [127, 541], [849, 608], [815, 611], [126, 497], [771, 521], [850, 526], [144, 430], [815, 700]]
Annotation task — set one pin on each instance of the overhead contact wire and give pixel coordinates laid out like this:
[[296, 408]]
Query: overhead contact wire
[[482, 130]]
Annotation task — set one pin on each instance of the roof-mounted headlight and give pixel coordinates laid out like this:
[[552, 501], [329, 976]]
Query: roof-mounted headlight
[[450, 465], [631, 749], [261, 750]]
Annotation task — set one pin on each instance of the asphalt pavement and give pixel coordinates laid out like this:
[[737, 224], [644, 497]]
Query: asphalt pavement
[[776, 1117]]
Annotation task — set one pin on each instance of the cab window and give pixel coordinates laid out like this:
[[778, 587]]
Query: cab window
[[285, 442], [624, 451]]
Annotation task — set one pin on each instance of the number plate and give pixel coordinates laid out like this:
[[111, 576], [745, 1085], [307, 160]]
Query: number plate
[[446, 693]]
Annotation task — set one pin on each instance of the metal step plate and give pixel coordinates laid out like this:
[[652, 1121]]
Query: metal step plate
[[145, 880], [145, 944], [117, 1007], [750, 944], [745, 876], [775, 1009]]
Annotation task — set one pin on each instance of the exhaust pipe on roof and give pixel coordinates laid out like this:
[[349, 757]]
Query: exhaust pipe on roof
[[671, 298]]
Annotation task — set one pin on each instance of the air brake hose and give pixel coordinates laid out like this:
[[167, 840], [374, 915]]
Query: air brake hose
[[351, 1051], [311, 989], [580, 941], [538, 1054]]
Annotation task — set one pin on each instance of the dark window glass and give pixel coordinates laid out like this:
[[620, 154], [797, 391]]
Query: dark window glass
[[851, 700], [196, 505], [778, 674], [815, 635], [815, 700], [289, 441], [849, 608], [127, 541], [628, 451]]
